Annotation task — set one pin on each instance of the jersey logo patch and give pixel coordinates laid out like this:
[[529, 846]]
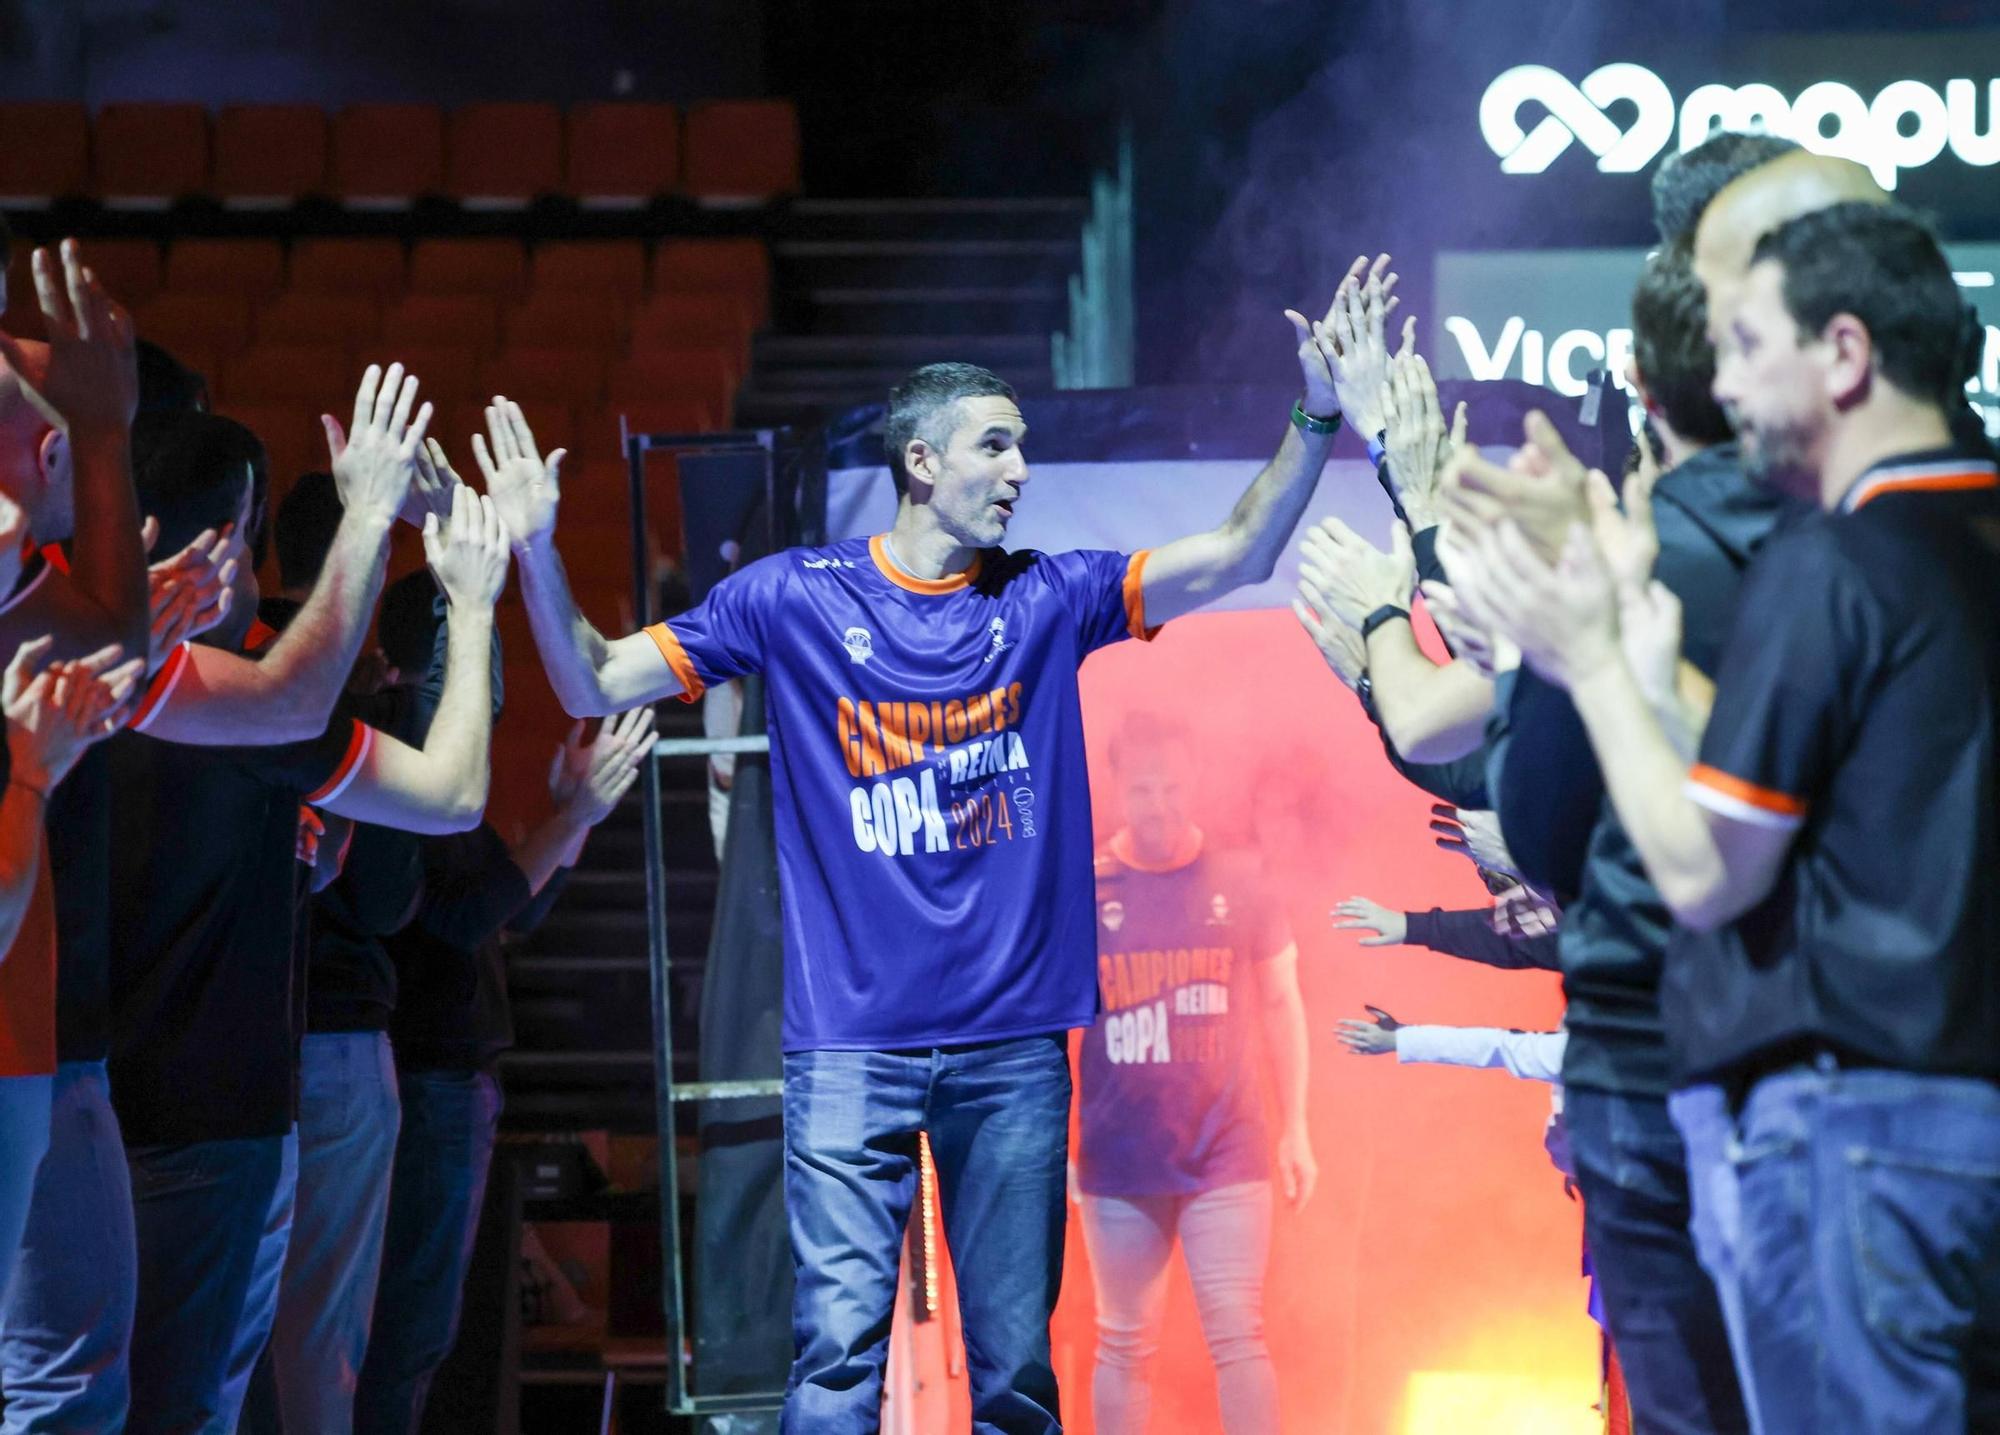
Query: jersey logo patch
[[860, 644], [998, 628], [1114, 915], [822, 563], [1218, 910]]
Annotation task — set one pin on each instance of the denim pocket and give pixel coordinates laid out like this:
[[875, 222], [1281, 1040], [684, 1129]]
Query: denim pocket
[[1921, 1229]]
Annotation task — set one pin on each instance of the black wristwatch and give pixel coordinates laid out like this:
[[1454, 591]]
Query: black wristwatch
[[1387, 613]]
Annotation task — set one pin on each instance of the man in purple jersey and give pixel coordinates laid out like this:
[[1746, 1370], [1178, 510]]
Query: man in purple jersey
[[934, 843], [1196, 968]]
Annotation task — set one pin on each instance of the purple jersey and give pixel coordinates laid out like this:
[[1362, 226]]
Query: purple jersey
[[928, 783], [1171, 1102]]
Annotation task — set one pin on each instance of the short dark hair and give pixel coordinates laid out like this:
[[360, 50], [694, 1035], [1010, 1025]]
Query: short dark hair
[[189, 470], [407, 628], [1670, 346], [166, 383], [303, 529], [919, 404], [1883, 265], [1684, 183]]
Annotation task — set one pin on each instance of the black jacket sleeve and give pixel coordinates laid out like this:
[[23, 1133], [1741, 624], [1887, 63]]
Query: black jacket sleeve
[[1470, 935], [471, 888]]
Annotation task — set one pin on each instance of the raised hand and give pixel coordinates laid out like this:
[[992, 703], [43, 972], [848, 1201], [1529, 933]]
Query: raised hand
[[1342, 572], [375, 460], [1415, 435], [88, 382], [54, 711], [468, 554], [588, 780], [1360, 358], [193, 590], [526, 488], [431, 486], [1358, 914], [1339, 644]]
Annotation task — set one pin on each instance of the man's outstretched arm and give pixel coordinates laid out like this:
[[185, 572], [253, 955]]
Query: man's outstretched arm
[[215, 697], [592, 675], [1183, 575]]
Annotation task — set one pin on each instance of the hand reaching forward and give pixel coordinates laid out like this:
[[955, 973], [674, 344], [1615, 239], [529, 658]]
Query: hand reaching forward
[[1563, 618], [376, 459], [468, 554], [588, 780], [1369, 1038], [89, 380], [1346, 575], [1473, 834], [526, 488], [56, 710], [1358, 914]]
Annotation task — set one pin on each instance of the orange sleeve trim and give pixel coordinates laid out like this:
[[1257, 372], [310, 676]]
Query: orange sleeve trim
[[1938, 483], [161, 688], [692, 687], [358, 744], [1778, 804], [1135, 597]]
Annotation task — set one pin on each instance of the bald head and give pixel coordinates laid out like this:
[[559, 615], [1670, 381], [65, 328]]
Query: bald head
[[1754, 204]]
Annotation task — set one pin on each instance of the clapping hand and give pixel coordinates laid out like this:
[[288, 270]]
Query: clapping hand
[[192, 591], [1342, 575], [588, 780], [55, 710]]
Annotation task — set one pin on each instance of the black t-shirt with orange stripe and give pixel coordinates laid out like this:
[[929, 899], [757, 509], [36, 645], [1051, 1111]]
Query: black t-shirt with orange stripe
[[1858, 708], [204, 886]]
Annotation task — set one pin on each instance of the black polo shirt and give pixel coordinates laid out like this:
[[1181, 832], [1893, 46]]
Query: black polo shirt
[[1858, 707], [1711, 519], [452, 1012], [204, 887]]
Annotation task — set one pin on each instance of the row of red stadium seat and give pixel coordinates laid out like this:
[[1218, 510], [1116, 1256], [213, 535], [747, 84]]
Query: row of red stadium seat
[[136, 269], [219, 325], [386, 155]]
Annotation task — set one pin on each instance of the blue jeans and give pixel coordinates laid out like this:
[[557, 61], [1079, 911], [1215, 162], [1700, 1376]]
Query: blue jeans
[[200, 1210], [1225, 1235], [450, 1119], [1661, 1306], [998, 1119], [1869, 1251], [348, 1115], [66, 1341], [24, 1138]]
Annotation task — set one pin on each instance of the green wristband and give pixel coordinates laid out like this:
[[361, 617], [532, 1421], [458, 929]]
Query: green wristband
[[1306, 423]]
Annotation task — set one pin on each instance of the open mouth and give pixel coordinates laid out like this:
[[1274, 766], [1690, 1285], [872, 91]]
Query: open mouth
[[1005, 507]]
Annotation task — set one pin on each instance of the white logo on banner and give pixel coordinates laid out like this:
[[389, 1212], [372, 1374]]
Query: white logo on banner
[[1906, 126]]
